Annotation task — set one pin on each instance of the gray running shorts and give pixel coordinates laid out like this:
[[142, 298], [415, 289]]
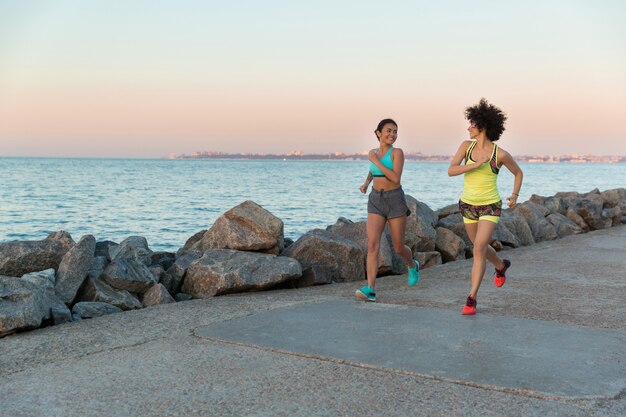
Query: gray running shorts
[[388, 204]]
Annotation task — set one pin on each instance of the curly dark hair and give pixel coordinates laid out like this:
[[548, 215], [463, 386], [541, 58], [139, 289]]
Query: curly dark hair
[[487, 117]]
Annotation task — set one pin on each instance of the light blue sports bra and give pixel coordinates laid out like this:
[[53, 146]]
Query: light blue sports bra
[[385, 160]]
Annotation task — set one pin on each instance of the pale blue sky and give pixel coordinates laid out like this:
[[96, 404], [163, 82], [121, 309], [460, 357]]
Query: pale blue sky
[[146, 78]]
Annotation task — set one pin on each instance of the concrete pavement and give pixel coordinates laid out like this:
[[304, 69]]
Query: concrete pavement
[[549, 343]]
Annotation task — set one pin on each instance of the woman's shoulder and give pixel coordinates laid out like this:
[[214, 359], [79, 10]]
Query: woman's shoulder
[[465, 144], [502, 152]]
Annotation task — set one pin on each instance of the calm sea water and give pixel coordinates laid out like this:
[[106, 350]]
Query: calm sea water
[[169, 200]]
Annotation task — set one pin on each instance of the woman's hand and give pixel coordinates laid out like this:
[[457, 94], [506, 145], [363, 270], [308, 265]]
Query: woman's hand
[[512, 201], [363, 188]]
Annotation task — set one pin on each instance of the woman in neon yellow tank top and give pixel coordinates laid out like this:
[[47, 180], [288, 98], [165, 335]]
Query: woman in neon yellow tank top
[[480, 203]]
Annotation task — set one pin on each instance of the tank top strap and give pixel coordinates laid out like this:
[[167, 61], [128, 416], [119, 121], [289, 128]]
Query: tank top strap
[[469, 150], [493, 161]]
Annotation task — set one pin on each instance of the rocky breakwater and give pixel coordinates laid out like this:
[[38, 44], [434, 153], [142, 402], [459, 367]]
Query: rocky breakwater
[[58, 280]]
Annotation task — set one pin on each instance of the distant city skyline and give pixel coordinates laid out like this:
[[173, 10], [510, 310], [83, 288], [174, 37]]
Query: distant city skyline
[[148, 79]]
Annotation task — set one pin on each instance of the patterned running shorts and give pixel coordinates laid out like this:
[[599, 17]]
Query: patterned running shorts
[[472, 214]]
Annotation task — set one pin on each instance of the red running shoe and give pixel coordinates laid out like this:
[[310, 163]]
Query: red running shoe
[[469, 309], [500, 276]]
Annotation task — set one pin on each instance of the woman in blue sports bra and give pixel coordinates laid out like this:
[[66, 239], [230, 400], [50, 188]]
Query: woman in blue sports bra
[[386, 204]]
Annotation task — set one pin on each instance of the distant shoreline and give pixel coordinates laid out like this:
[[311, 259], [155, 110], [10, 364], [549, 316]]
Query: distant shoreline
[[416, 157]]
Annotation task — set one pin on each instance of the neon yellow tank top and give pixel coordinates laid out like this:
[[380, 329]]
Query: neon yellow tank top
[[479, 185]]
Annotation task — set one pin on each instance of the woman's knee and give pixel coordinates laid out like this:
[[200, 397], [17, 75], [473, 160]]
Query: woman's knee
[[480, 248], [398, 247], [373, 246]]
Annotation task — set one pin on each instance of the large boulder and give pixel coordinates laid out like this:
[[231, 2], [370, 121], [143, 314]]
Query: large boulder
[[518, 226], [428, 259], [74, 268], [246, 227], [553, 204], [91, 309], [614, 214], [173, 278], [357, 233], [563, 225], [455, 223], [535, 217], [107, 249], [132, 248], [26, 302], [21, 257], [98, 265], [447, 211], [340, 259], [450, 246], [156, 295], [95, 289], [128, 274], [589, 208], [420, 234], [577, 219], [163, 259], [613, 198], [222, 271], [191, 242]]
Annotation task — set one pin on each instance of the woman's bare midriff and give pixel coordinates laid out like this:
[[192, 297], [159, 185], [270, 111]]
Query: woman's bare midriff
[[383, 184]]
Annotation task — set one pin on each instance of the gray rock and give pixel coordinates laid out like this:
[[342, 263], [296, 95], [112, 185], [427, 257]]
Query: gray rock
[[95, 289], [246, 227], [579, 221], [518, 226], [590, 209], [613, 198], [455, 223], [447, 211], [428, 259], [342, 259], [553, 204], [106, 248], [156, 295], [563, 225], [128, 274], [25, 304], [74, 268], [420, 232], [91, 309], [21, 257], [315, 275], [190, 242], [614, 214], [505, 236], [181, 296], [535, 217], [133, 248], [164, 259], [158, 272], [173, 279], [357, 233], [97, 266], [450, 246], [222, 271], [44, 279], [61, 314]]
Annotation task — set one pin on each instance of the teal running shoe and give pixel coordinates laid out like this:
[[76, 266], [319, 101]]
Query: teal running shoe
[[366, 293], [414, 274]]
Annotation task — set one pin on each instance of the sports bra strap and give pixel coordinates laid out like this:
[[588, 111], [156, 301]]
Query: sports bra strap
[[468, 152]]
